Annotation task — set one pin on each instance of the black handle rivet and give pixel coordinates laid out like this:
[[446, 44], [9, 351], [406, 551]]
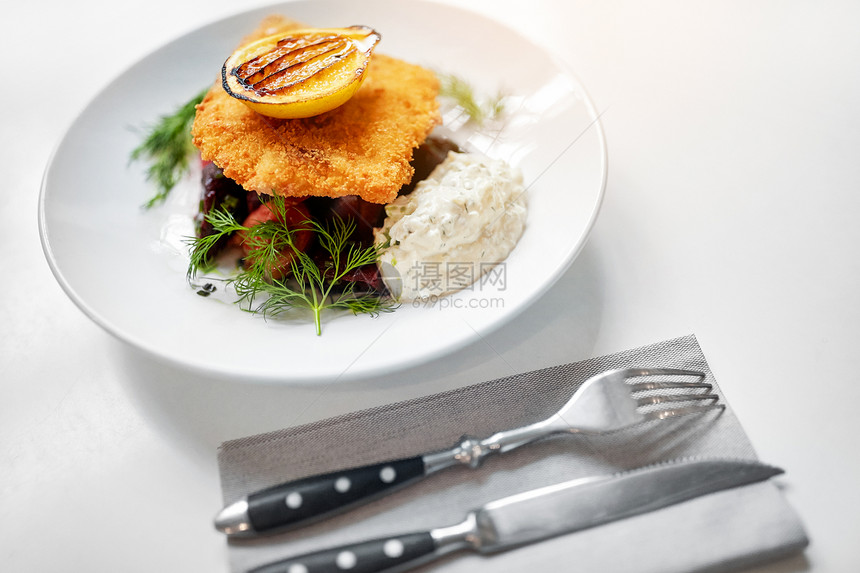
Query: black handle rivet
[[342, 484], [393, 548], [345, 560], [294, 500], [387, 474]]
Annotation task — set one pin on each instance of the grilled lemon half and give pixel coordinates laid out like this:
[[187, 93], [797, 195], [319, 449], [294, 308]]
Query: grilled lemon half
[[300, 73]]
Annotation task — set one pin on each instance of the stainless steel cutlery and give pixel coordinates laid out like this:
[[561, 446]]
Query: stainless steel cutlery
[[606, 402]]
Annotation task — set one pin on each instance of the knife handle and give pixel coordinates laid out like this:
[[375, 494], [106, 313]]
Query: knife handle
[[298, 501], [366, 557]]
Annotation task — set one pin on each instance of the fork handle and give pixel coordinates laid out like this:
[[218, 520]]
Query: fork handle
[[296, 502]]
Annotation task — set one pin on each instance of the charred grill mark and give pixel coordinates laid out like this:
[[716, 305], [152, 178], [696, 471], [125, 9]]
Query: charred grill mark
[[294, 61], [283, 46], [290, 55], [254, 65], [302, 71]]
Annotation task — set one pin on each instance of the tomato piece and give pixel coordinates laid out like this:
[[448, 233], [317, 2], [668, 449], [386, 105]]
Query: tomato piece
[[296, 217]]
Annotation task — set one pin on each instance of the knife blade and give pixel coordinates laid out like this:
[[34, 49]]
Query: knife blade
[[537, 514]]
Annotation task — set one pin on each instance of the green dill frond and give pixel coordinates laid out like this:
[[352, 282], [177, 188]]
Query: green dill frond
[[167, 148], [307, 285], [359, 257], [370, 304], [463, 95], [223, 224]]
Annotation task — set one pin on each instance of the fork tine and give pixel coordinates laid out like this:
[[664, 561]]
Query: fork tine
[[644, 386], [631, 372], [674, 412], [649, 400]]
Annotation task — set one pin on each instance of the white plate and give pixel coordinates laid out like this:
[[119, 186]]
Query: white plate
[[122, 267]]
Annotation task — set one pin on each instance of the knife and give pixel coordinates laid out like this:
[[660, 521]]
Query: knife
[[535, 515]]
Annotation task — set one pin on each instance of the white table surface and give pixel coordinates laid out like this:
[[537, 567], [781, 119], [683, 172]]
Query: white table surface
[[731, 212]]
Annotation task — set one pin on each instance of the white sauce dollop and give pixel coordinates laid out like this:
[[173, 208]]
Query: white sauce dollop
[[455, 226]]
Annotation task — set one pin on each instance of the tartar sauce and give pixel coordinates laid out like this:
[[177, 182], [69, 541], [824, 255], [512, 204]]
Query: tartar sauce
[[454, 227]]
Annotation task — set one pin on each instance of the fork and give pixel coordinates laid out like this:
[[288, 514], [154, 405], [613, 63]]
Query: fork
[[607, 402]]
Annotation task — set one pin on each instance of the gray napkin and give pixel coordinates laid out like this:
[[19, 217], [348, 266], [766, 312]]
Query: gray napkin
[[725, 531]]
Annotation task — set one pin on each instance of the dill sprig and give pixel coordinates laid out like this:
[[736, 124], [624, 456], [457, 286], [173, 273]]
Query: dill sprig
[[223, 224], [167, 147], [463, 95], [308, 285]]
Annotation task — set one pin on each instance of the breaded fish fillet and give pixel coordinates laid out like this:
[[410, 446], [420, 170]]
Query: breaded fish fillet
[[361, 148]]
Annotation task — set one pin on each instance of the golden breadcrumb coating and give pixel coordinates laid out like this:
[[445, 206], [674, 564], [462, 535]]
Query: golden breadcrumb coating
[[361, 148]]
